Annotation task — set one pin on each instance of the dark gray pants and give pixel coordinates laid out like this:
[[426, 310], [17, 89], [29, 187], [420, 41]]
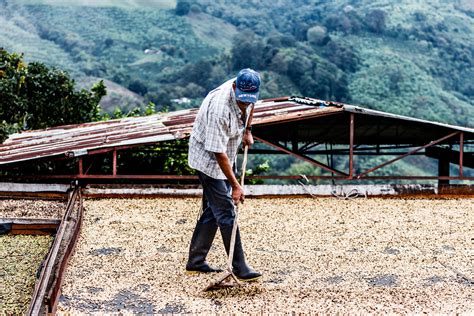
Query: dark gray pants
[[218, 206]]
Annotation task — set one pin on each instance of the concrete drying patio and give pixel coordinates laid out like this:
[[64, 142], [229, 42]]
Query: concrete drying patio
[[317, 255]]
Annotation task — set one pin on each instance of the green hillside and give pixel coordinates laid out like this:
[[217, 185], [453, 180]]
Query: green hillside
[[152, 4], [408, 57]]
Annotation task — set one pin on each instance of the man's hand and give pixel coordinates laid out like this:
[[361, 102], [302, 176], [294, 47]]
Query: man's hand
[[224, 164], [238, 194], [247, 140]]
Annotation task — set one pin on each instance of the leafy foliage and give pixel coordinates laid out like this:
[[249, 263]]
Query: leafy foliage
[[34, 96], [258, 169], [182, 7]]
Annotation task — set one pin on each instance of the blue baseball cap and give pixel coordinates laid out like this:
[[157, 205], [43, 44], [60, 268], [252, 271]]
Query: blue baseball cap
[[247, 85]]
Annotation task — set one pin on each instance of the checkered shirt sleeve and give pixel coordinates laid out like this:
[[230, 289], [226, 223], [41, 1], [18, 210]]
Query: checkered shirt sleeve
[[217, 137]]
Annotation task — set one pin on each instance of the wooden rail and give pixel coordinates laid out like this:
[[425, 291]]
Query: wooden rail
[[30, 226], [47, 287]]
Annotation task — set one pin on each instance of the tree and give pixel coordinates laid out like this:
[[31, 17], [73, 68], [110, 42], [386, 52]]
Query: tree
[[34, 96], [199, 73], [182, 7], [247, 51], [343, 57], [317, 35], [138, 86], [376, 21], [297, 67], [108, 42]]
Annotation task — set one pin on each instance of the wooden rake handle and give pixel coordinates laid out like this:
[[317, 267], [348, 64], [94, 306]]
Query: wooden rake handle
[[244, 166], [236, 210]]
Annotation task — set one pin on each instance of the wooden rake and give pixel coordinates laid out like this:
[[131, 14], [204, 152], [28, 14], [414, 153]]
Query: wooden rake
[[226, 279]]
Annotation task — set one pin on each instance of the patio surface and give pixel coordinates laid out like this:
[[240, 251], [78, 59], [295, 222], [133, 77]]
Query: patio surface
[[316, 255]]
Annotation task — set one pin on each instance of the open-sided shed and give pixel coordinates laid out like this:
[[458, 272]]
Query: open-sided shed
[[301, 127]]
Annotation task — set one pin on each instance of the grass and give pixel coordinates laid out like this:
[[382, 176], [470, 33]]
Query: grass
[[83, 32], [213, 30]]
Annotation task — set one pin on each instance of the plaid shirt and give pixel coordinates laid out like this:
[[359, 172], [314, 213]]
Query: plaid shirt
[[218, 128]]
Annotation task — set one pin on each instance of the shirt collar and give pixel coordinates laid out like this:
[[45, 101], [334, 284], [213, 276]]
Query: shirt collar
[[233, 102]]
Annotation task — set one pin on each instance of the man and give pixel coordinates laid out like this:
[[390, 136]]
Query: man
[[221, 125]]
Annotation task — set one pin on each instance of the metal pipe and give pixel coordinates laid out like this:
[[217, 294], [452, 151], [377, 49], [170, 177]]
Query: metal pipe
[[407, 154], [130, 176], [114, 163], [365, 178], [461, 152], [307, 159], [80, 166], [351, 146]]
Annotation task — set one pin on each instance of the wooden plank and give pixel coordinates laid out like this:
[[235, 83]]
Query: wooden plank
[[31, 226], [33, 195], [55, 290], [37, 301], [35, 226], [31, 232], [30, 221]]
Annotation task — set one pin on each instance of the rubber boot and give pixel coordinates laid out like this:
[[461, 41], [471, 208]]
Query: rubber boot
[[240, 268], [201, 242]]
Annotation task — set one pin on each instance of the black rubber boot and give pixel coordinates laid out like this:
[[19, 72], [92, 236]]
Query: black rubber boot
[[240, 268], [201, 242]]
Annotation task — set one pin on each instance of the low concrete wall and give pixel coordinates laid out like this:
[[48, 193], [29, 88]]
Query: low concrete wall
[[343, 191], [33, 187]]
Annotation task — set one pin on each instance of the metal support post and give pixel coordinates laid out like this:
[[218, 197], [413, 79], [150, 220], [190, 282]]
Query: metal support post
[[114, 162], [80, 166], [351, 146], [461, 153]]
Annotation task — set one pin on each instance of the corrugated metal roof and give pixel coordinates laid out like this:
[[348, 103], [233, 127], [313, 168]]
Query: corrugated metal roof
[[361, 110], [81, 139]]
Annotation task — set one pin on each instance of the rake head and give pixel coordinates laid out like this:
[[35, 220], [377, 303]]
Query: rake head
[[225, 281]]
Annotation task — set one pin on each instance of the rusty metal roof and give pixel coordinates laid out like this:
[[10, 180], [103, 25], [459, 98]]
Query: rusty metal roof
[[81, 139], [274, 118], [325, 122]]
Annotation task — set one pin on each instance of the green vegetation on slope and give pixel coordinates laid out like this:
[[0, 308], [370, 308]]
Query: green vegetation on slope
[[151, 4], [406, 57]]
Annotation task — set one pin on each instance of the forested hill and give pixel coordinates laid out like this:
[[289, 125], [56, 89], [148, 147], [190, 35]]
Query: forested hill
[[407, 57]]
